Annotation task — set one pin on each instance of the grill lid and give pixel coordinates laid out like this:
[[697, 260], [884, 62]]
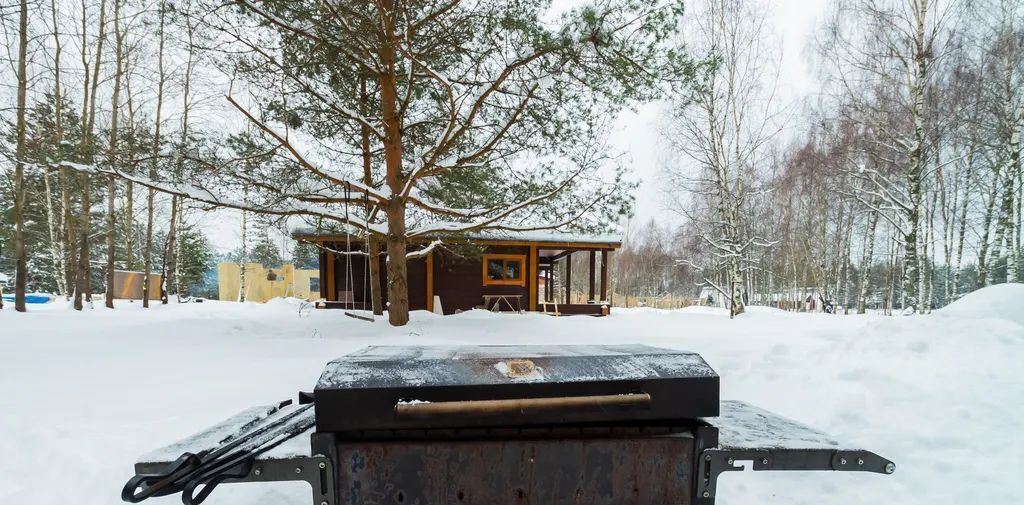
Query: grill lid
[[473, 386]]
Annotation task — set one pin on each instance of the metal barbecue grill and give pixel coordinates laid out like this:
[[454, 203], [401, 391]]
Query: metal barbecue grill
[[499, 424]]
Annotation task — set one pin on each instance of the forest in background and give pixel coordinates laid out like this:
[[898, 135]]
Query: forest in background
[[897, 186]]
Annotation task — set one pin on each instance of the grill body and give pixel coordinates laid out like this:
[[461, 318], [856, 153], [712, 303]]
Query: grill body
[[583, 469]]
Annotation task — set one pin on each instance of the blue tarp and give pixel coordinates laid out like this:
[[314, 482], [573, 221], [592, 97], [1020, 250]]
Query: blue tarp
[[30, 298]]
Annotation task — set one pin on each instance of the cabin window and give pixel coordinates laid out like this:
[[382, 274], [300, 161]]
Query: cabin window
[[504, 269]]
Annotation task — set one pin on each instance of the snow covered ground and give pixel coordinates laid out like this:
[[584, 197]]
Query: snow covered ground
[[81, 395]]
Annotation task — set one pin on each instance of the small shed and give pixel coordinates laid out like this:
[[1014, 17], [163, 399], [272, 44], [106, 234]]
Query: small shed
[[263, 283], [510, 271]]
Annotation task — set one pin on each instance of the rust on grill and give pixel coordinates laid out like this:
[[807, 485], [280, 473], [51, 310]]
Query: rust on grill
[[593, 471], [519, 368]]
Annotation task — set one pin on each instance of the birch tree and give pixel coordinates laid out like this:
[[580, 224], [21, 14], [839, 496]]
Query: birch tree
[[721, 132], [891, 47]]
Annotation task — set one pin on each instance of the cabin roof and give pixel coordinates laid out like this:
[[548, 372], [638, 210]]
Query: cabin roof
[[498, 237]]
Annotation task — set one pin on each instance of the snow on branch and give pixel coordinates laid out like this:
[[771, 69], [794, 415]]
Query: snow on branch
[[204, 195], [492, 221], [380, 196], [425, 251]]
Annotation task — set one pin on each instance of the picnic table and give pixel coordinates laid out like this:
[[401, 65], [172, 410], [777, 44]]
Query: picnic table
[[497, 299]]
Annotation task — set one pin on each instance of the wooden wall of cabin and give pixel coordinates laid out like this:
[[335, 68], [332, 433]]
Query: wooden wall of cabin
[[459, 281]]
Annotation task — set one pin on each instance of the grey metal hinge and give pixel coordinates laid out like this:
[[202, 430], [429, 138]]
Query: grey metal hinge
[[317, 471], [713, 462]]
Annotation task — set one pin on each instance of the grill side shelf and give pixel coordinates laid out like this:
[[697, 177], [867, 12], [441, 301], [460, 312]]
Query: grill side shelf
[[773, 443], [316, 470], [261, 444]]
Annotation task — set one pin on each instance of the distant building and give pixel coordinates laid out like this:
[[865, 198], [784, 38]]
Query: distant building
[[262, 284]]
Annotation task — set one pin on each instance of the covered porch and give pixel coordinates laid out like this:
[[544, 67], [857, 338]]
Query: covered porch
[[560, 294]]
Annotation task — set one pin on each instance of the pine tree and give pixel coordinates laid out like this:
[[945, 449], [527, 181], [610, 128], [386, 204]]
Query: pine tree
[[305, 255], [498, 90], [195, 261]]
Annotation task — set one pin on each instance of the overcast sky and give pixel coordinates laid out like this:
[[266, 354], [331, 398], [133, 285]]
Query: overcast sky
[[636, 133], [794, 22]]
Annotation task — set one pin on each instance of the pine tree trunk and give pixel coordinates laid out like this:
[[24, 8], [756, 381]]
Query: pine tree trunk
[[68, 235], [398, 289], [21, 261]]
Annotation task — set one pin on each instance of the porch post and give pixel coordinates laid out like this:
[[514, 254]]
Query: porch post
[[604, 275], [590, 291], [430, 280], [533, 279], [322, 262], [568, 278], [549, 285], [332, 295]]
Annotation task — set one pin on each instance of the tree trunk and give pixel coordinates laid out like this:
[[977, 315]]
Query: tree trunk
[[169, 248], [84, 275], [372, 245], [986, 227], [21, 261], [177, 204], [112, 156], [846, 270], [868, 258], [52, 229], [58, 244], [151, 194], [178, 288], [68, 235], [398, 288], [244, 258], [1012, 221]]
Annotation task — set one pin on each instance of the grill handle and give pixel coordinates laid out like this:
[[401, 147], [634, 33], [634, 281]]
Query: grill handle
[[519, 405]]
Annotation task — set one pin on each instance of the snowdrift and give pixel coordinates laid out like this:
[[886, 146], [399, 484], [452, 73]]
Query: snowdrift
[[1001, 301]]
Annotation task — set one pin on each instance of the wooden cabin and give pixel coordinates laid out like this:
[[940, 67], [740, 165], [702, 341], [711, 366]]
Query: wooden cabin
[[529, 271]]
